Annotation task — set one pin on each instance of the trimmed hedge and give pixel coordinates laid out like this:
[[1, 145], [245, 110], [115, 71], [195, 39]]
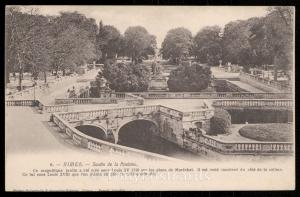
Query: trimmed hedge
[[220, 123], [275, 132], [242, 115]]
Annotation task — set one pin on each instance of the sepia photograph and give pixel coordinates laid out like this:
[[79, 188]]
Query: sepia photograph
[[147, 98]]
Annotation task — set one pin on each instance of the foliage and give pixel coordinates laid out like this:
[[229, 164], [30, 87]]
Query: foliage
[[127, 77], [207, 45], [108, 41], [74, 38], [71, 48], [192, 78], [138, 43], [177, 44], [220, 123], [27, 42], [261, 40], [275, 132], [150, 50], [273, 37], [37, 43], [236, 46]]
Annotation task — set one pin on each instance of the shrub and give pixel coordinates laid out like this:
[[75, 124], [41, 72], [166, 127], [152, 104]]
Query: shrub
[[220, 123], [127, 77], [192, 78]]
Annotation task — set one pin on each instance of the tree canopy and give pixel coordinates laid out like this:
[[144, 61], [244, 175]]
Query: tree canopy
[[207, 46], [272, 38], [108, 42], [138, 43], [37, 43], [177, 44]]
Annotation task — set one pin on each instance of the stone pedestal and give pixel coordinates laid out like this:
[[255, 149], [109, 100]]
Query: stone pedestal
[[158, 83]]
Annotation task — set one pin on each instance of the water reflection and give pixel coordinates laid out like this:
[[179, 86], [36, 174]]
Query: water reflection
[[92, 131], [139, 134]]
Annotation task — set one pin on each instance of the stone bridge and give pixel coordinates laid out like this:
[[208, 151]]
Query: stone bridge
[[165, 122]]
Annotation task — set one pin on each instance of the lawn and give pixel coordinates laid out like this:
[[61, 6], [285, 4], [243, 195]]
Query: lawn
[[276, 132]]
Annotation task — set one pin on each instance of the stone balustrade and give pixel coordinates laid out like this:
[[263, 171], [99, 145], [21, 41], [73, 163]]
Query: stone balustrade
[[238, 147], [170, 112], [59, 101], [212, 95], [198, 115], [120, 95], [254, 103], [101, 146], [20, 102], [109, 113], [42, 107], [54, 108], [126, 98], [273, 84]]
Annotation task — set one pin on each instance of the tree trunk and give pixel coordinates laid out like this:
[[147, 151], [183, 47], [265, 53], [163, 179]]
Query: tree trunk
[[275, 73], [64, 72], [45, 76], [20, 78]]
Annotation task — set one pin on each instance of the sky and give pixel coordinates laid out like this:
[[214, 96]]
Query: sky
[[158, 20]]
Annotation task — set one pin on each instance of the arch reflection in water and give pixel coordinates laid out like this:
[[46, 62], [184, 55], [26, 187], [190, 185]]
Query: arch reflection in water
[[144, 135], [93, 131]]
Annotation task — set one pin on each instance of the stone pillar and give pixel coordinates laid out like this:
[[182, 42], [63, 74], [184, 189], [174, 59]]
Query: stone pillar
[[111, 137]]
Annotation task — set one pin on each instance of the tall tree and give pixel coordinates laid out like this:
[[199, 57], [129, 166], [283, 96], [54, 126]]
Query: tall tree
[[274, 36], [74, 38], [80, 21], [150, 50], [72, 48], [177, 44], [236, 46], [108, 41], [207, 45], [25, 41], [137, 41]]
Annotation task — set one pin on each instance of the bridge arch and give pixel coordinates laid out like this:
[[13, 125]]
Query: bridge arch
[[92, 130], [136, 131]]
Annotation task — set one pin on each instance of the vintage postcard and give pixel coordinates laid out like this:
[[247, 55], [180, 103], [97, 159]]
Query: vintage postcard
[[145, 98]]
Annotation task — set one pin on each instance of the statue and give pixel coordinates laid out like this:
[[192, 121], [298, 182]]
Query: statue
[[156, 69], [158, 82]]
